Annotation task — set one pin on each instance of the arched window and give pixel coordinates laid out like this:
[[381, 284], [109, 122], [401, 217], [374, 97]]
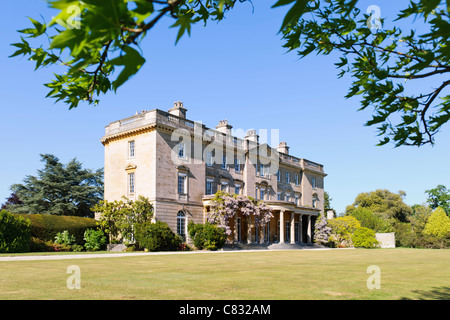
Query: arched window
[[181, 224]]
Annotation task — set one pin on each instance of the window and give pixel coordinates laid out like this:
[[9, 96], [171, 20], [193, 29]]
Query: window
[[262, 194], [297, 199], [209, 186], [209, 158], [131, 186], [237, 164], [279, 196], [131, 149], [224, 162], [181, 150], [224, 186], [313, 182], [182, 183], [278, 176], [181, 224], [287, 177], [296, 179], [264, 170], [314, 202], [288, 197], [237, 189]]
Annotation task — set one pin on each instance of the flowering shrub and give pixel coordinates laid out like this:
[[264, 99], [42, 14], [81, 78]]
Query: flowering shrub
[[322, 232], [224, 207]]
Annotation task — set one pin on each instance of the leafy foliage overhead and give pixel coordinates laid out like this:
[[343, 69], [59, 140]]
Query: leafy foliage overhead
[[94, 38], [97, 42], [383, 62]]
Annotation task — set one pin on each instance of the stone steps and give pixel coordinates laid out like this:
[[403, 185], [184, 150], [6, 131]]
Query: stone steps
[[272, 246]]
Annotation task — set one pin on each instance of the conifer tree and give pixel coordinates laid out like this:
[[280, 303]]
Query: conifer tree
[[59, 189]]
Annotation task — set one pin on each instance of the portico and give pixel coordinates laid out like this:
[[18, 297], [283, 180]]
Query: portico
[[290, 224], [294, 224]]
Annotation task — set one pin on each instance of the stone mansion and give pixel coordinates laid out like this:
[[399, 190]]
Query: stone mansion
[[180, 164]]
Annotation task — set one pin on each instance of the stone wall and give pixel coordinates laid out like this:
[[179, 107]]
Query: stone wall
[[386, 240]]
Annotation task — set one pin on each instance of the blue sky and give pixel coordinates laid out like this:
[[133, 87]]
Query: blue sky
[[235, 70]]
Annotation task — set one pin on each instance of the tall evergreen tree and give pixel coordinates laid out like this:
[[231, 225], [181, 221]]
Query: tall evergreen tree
[[59, 189]]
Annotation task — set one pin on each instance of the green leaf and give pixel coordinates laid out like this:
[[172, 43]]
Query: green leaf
[[24, 48], [184, 22], [65, 39], [132, 61], [294, 14], [38, 29], [282, 3]]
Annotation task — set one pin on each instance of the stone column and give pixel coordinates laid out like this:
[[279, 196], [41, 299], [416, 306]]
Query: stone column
[[292, 228], [262, 233], [249, 230], [309, 229], [282, 226]]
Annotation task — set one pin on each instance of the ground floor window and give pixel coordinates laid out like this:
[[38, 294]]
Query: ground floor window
[[181, 224]]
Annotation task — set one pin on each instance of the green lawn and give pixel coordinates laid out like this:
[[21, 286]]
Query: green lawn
[[290, 274]]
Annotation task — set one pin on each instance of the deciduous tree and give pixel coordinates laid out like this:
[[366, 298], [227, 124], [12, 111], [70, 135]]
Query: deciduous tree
[[439, 197], [383, 202]]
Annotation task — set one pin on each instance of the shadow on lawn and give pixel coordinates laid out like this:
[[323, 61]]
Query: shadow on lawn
[[437, 293]]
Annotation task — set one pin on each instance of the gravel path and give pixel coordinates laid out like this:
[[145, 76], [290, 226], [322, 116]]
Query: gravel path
[[125, 254]]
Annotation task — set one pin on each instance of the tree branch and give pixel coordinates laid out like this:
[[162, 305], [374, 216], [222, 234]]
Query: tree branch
[[99, 68]]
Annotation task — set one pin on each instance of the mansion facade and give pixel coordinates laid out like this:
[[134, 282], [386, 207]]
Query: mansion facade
[[180, 164]]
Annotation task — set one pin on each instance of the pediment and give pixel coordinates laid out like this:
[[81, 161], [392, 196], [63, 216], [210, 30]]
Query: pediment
[[131, 167], [182, 167]]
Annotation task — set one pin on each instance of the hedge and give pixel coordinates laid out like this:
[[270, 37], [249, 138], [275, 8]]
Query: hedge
[[14, 233], [46, 226]]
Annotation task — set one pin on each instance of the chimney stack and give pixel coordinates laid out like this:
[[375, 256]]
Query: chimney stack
[[252, 136], [283, 148], [224, 127], [178, 110]]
